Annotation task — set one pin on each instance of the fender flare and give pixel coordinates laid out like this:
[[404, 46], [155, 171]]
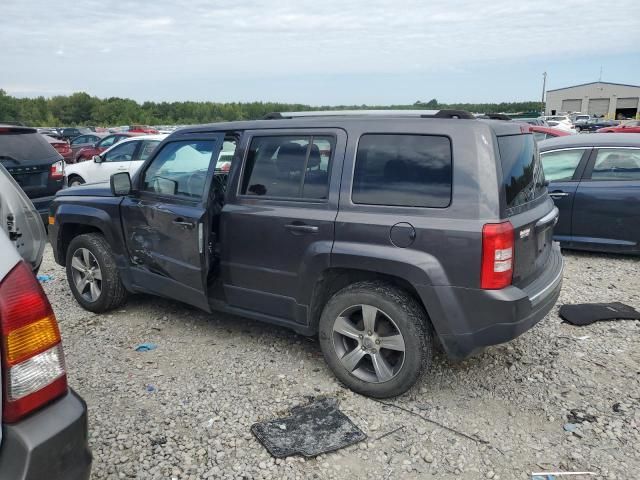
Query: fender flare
[[90, 216]]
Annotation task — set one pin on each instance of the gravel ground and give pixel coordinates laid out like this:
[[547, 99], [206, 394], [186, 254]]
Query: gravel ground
[[185, 409]]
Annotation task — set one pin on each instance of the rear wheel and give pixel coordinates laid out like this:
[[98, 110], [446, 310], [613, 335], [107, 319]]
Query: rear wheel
[[92, 273], [376, 338], [75, 180]]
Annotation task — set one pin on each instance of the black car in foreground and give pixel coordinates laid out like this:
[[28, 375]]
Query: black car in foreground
[[33, 163], [595, 182], [378, 231]]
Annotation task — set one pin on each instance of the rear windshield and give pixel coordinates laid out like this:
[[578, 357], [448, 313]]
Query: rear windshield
[[18, 148], [522, 172]]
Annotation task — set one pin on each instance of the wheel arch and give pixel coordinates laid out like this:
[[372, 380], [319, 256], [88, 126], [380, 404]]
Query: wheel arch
[[74, 220], [332, 280]]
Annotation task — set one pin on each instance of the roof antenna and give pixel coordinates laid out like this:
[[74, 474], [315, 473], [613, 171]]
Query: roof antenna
[[600, 79]]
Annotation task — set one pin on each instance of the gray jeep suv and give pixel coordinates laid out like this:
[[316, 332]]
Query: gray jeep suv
[[382, 232]]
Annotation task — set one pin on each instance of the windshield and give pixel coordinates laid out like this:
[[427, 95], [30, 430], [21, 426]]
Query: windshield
[[523, 177]]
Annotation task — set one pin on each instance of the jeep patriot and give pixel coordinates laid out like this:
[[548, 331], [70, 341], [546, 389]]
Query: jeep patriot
[[382, 232]]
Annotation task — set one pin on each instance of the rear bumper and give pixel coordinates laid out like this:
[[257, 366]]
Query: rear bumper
[[467, 320], [50, 444]]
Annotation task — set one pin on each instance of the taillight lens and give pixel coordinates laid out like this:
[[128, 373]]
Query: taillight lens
[[497, 255], [33, 365], [57, 170]]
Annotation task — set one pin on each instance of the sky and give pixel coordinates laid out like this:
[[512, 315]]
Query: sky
[[315, 52]]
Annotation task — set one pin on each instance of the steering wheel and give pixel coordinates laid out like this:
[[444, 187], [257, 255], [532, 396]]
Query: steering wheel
[[193, 177]]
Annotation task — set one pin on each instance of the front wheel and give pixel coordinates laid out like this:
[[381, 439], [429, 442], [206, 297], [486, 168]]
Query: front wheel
[[92, 273], [376, 338]]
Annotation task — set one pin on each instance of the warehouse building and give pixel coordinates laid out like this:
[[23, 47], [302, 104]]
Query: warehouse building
[[602, 99]]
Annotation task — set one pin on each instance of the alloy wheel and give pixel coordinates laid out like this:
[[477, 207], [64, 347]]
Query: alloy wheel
[[368, 343], [86, 274]]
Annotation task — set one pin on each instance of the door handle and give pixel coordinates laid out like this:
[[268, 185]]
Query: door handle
[[558, 194], [301, 228], [183, 223]]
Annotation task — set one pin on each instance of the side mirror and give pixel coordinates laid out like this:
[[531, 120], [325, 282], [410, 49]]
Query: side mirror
[[120, 184], [97, 158]]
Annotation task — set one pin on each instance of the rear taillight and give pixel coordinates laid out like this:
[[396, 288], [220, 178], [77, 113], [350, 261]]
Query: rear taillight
[[33, 367], [57, 170], [497, 255]]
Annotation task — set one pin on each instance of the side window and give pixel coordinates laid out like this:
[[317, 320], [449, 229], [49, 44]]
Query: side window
[[121, 153], [107, 142], [403, 170], [147, 148], [180, 169], [617, 164], [288, 167], [560, 165]]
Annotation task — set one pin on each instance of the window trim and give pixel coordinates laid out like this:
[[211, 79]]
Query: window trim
[[579, 171], [177, 199], [301, 134], [592, 162], [395, 207]]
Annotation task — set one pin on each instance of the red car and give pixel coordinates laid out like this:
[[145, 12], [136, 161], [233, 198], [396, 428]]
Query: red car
[[87, 153], [143, 129], [61, 146], [632, 126], [542, 133]]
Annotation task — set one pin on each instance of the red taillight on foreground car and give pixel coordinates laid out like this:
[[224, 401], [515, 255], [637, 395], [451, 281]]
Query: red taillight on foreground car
[[33, 367], [57, 170], [497, 255]]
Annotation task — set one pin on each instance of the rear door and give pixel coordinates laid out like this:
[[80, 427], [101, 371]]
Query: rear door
[[528, 207], [606, 209], [563, 170], [277, 226], [28, 157], [165, 221]]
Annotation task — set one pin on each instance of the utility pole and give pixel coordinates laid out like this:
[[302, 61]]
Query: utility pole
[[600, 79], [544, 89]]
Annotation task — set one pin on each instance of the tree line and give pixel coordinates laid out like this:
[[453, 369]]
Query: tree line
[[81, 108]]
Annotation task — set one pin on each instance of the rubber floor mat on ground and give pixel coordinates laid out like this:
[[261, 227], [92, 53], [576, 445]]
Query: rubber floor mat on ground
[[587, 313], [312, 429]]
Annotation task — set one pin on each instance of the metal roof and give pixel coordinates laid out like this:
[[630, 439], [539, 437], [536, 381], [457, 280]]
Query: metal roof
[[593, 83], [592, 140]]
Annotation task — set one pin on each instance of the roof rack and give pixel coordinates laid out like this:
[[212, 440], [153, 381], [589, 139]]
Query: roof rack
[[363, 113]]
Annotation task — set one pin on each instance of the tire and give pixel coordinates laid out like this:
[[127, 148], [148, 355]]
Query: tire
[[112, 293], [75, 180], [578, 129], [396, 312]]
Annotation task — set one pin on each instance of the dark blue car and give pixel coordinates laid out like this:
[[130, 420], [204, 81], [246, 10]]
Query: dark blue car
[[595, 183]]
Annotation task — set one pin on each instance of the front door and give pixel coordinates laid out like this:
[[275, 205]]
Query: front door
[[165, 220], [563, 169], [606, 210], [277, 225]]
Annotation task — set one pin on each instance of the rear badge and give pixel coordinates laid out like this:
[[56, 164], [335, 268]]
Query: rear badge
[[525, 233]]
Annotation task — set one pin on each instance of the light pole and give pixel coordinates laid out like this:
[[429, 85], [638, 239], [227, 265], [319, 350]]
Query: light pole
[[544, 88]]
